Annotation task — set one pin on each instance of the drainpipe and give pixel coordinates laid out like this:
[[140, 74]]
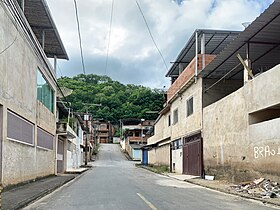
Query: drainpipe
[[196, 58]]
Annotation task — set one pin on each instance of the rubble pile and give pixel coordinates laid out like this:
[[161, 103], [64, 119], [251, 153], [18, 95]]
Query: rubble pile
[[262, 188]]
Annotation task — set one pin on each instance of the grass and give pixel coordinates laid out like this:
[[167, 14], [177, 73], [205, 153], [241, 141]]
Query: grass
[[158, 168]]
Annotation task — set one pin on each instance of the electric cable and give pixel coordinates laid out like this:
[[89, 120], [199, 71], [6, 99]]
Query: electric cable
[[151, 35], [80, 37], [110, 30]]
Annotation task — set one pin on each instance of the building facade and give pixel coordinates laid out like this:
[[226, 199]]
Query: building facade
[[27, 91]]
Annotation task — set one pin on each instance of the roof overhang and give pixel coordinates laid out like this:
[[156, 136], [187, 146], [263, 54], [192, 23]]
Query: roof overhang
[[261, 40], [215, 42], [39, 18]]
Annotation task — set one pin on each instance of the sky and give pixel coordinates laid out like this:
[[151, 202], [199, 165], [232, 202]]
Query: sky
[[132, 55]]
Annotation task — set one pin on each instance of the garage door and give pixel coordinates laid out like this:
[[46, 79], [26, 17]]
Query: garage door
[[192, 155]]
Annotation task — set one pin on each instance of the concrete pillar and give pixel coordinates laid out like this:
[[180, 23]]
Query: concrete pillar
[[202, 46], [245, 72], [196, 56]]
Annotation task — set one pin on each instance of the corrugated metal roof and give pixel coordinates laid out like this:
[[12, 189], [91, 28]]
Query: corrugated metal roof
[[263, 38], [39, 17], [215, 42]]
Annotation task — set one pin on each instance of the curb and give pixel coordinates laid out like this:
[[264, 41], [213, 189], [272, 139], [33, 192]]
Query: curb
[[40, 195]]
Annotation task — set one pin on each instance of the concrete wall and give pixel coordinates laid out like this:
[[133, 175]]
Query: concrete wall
[[218, 91], [177, 161], [18, 93], [193, 122], [159, 155], [233, 148], [161, 130]]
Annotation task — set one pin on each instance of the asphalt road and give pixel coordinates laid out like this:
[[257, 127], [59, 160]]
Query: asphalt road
[[115, 183]]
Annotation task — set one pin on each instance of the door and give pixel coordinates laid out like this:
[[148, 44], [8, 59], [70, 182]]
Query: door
[[60, 156], [192, 155], [145, 157]]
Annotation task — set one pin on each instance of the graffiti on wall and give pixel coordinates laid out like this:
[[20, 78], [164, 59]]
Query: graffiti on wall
[[266, 151]]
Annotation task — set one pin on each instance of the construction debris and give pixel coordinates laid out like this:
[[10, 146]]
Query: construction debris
[[262, 188]]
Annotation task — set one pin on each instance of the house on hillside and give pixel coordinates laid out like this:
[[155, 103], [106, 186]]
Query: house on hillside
[[135, 135], [177, 141], [222, 117], [28, 91], [103, 131]]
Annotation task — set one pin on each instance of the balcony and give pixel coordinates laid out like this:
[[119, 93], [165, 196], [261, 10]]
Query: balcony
[[63, 129]]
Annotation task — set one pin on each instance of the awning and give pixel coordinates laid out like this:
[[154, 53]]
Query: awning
[[39, 17], [215, 42], [261, 38]]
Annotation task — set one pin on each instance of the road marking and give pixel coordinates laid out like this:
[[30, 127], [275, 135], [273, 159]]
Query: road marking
[[147, 202]]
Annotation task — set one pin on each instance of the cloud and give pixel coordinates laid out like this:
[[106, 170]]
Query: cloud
[[133, 57]]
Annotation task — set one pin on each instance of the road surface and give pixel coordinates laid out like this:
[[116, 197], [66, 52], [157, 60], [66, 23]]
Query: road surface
[[114, 183]]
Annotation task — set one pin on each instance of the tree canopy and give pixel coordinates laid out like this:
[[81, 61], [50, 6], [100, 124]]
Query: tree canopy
[[118, 101]]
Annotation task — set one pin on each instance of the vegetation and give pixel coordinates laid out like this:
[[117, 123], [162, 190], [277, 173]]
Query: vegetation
[[118, 101]]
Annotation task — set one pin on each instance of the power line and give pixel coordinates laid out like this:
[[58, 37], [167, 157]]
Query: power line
[[151, 35], [6, 48], [108, 47], [80, 37]]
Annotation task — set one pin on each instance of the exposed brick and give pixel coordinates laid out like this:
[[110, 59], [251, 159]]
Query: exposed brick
[[187, 74]]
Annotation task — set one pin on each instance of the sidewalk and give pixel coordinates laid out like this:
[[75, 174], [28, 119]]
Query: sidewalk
[[218, 185], [21, 196]]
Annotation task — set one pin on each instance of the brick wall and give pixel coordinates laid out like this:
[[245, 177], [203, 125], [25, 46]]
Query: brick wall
[[187, 74]]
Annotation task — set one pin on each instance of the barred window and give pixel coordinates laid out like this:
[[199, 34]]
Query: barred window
[[190, 106]]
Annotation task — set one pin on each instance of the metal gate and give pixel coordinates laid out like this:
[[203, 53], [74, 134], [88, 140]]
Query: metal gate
[[60, 156], [192, 155]]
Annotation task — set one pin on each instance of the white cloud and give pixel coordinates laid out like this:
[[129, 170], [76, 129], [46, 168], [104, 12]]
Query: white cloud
[[132, 57]]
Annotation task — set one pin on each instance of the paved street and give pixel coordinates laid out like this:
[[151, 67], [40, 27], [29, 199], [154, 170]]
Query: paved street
[[115, 183]]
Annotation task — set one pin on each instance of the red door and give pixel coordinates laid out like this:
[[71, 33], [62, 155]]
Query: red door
[[192, 155]]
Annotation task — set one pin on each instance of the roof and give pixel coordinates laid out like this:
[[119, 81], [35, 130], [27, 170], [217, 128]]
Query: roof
[[39, 17], [263, 38], [215, 42]]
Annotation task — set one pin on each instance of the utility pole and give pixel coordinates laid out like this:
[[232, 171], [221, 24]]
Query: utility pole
[[142, 121], [86, 118]]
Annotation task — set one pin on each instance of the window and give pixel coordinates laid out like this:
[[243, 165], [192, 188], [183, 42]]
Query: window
[[45, 93], [177, 144], [44, 139], [19, 129], [175, 116], [190, 106], [169, 120]]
